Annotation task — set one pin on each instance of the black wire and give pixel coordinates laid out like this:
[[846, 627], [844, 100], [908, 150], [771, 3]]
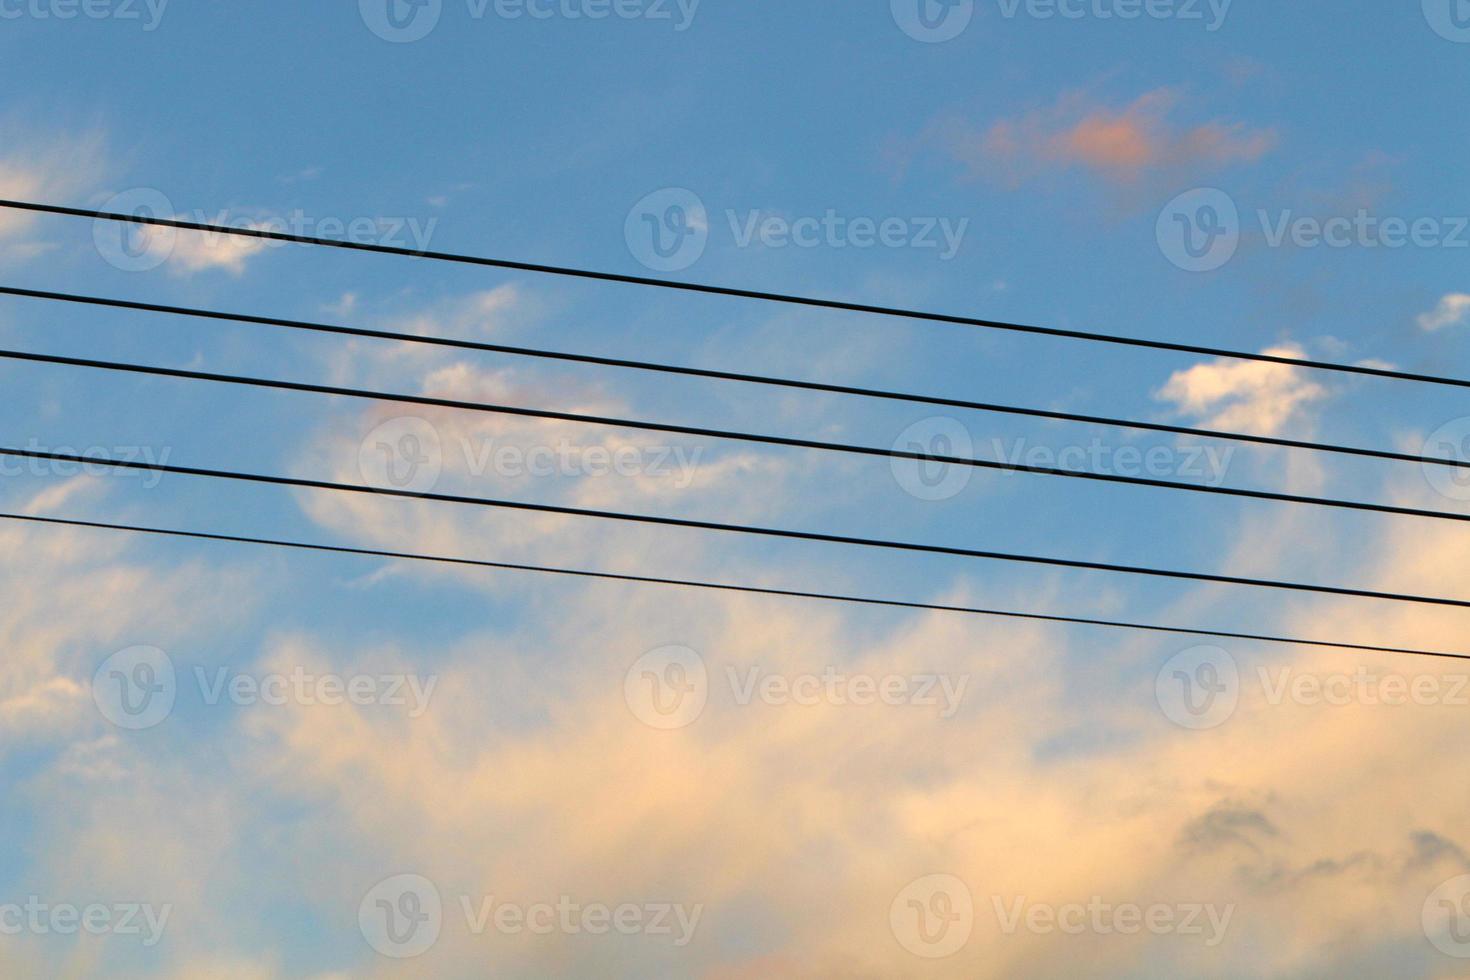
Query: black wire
[[785, 441], [767, 532], [726, 376], [734, 292], [755, 590]]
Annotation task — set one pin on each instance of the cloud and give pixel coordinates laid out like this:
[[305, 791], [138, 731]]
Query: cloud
[[194, 251], [1452, 311], [45, 167], [1253, 396], [1120, 144], [190, 252]]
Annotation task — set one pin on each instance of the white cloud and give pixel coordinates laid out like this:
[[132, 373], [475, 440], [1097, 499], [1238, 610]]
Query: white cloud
[[1452, 311], [44, 167], [189, 252], [1255, 396]]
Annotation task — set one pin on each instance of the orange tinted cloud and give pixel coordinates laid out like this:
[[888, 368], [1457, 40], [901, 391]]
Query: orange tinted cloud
[[1121, 144]]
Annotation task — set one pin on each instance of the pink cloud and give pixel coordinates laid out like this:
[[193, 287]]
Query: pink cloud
[[1123, 145]]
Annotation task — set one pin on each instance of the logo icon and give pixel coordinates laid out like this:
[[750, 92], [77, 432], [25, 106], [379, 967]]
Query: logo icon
[[933, 916], [1449, 18], [1449, 441], [401, 916], [668, 230], [401, 21], [403, 454], [135, 688], [931, 479], [134, 247], [1199, 688], [1199, 230], [667, 688], [933, 21], [1446, 917]]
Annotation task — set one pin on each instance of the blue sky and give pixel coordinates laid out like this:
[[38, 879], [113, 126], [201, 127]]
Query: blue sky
[[1050, 146]]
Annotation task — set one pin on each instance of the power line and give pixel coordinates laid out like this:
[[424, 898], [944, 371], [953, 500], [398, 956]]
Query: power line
[[721, 587], [766, 532], [876, 393], [729, 291], [784, 441]]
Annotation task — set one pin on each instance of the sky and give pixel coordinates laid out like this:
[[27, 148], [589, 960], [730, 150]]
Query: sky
[[228, 761]]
